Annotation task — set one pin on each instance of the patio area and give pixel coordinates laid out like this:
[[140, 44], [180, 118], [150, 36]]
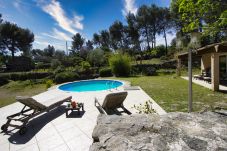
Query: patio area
[[53, 131], [206, 84]]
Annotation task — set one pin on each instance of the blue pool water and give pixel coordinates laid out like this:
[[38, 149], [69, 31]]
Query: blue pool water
[[90, 85]]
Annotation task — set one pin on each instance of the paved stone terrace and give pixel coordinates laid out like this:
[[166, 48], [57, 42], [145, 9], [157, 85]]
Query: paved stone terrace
[[53, 131], [205, 84]]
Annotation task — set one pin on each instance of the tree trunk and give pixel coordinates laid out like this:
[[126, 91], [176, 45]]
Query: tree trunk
[[164, 31], [147, 35]]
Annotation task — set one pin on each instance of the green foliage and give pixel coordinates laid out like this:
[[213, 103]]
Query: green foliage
[[145, 108], [96, 57], [55, 63], [120, 64], [149, 71], [14, 38], [3, 80], [77, 42], [85, 65], [15, 76], [105, 72], [49, 83], [66, 77]]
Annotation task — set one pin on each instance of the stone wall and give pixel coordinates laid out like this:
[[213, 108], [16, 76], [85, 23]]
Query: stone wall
[[173, 131]]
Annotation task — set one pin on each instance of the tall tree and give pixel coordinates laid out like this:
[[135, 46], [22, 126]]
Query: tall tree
[[165, 23], [14, 38], [77, 42], [105, 38], [117, 34], [96, 39], [49, 51], [133, 32], [142, 18], [89, 45]]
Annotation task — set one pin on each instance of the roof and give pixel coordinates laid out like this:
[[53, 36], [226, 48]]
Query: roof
[[216, 47]]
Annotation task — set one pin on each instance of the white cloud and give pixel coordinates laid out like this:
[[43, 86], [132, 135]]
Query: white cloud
[[56, 34], [55, 10], [129, 6]]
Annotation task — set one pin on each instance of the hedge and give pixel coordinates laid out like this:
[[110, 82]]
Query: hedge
[[15, 76], [105, 72]]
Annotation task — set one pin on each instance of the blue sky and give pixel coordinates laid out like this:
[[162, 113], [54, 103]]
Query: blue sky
[[55, 21]]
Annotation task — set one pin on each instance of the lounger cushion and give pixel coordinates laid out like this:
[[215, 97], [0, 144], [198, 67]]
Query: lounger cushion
[[114, 100], [30, 102], [56, 101]]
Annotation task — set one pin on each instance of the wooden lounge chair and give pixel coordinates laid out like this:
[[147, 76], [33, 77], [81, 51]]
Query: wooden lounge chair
[[112, 102], [33, 108]]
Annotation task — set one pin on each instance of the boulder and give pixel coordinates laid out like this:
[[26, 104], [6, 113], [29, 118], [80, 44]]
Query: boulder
[[173, 131]]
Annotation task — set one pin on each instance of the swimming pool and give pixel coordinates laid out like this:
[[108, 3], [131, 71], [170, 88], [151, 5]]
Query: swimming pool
[[90, 85]]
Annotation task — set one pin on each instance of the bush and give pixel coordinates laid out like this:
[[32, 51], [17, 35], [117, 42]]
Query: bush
[[25, 75], [49, 83], [96, 57], [55, 63], [120, 64], [105, 72], [85, 65], [149, 71], [66, 77], [3, 80], [41, 65], [59, 69]]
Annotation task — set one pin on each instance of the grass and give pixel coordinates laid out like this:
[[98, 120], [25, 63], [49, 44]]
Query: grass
[[9, 91], [171, 93], [151, 61]]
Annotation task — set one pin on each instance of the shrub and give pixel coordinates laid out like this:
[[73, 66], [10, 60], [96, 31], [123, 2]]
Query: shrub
[[85, 65], [149, 71], [105, 72], [66, 77], [49, 83], [120, 64], [3, 80], [96, 57], [59, 69], [25, 75], [55, 63], [145, 108]]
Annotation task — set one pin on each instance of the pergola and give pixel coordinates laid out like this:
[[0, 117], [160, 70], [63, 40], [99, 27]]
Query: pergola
[[210, 56]]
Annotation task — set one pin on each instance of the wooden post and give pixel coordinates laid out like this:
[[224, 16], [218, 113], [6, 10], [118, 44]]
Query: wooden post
[[189, 80], [178, 67], [215, 71]]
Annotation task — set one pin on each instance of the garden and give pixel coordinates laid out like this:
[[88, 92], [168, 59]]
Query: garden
[[126, 51]]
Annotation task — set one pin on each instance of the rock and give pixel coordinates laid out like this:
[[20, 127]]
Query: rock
[[173, 131]]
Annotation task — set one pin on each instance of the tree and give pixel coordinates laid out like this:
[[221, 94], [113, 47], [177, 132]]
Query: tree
[[105, 38], [142, 18], [14, 38], [201, 16], [133, 35], [89, 45], [49, 51], [96, 57], [96, 39], [117, 34], [165, 23], [77, 42]]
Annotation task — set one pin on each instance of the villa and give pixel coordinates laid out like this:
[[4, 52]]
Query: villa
[[213, 65]]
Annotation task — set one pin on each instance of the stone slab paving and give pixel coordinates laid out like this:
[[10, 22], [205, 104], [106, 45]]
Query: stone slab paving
[[205, 84], [53, 131]]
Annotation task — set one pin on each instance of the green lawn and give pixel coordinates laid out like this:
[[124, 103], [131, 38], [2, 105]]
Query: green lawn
[[9, 91], [171, 93], [151, 61]]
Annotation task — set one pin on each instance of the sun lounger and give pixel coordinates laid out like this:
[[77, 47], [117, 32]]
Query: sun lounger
[[112, 102], [32, 108]]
